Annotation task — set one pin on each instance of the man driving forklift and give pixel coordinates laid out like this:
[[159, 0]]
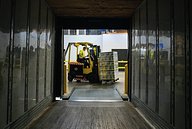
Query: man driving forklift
[[82, 57]]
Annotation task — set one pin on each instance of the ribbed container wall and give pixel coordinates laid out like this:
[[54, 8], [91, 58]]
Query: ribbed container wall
[[161, 62], [26, 51]]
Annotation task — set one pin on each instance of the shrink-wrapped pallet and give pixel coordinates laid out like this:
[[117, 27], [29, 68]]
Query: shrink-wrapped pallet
[[108, 66]]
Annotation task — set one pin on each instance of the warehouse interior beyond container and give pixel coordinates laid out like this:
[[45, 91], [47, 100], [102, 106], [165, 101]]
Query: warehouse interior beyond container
[[103, 79]]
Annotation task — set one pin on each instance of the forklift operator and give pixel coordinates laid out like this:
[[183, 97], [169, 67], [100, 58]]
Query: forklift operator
[[82, 53], [82, 58]]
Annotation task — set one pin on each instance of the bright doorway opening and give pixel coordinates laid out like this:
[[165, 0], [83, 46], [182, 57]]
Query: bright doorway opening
[[109, 49]]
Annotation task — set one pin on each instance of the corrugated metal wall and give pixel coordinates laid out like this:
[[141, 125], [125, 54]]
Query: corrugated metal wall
[[26, 56], [161, 61]]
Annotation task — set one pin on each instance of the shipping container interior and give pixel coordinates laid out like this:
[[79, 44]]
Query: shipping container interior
[[153, 37]]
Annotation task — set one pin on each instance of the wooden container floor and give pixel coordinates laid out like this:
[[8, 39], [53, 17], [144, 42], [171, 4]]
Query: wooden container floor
[[90, 115]]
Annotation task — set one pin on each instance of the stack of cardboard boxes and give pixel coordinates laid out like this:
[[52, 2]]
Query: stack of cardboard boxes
[[108, 66]]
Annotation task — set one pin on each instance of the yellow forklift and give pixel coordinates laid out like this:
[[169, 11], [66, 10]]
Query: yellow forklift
[[79, 70]]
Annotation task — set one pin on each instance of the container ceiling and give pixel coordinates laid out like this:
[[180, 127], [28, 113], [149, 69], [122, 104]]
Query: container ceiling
[[94, 8]]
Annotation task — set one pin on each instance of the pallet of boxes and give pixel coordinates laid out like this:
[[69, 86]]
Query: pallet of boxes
[[108, 67]]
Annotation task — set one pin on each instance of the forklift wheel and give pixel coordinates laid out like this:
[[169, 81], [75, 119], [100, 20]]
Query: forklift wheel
[[92, 78], [78, 81], [70, 78]]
